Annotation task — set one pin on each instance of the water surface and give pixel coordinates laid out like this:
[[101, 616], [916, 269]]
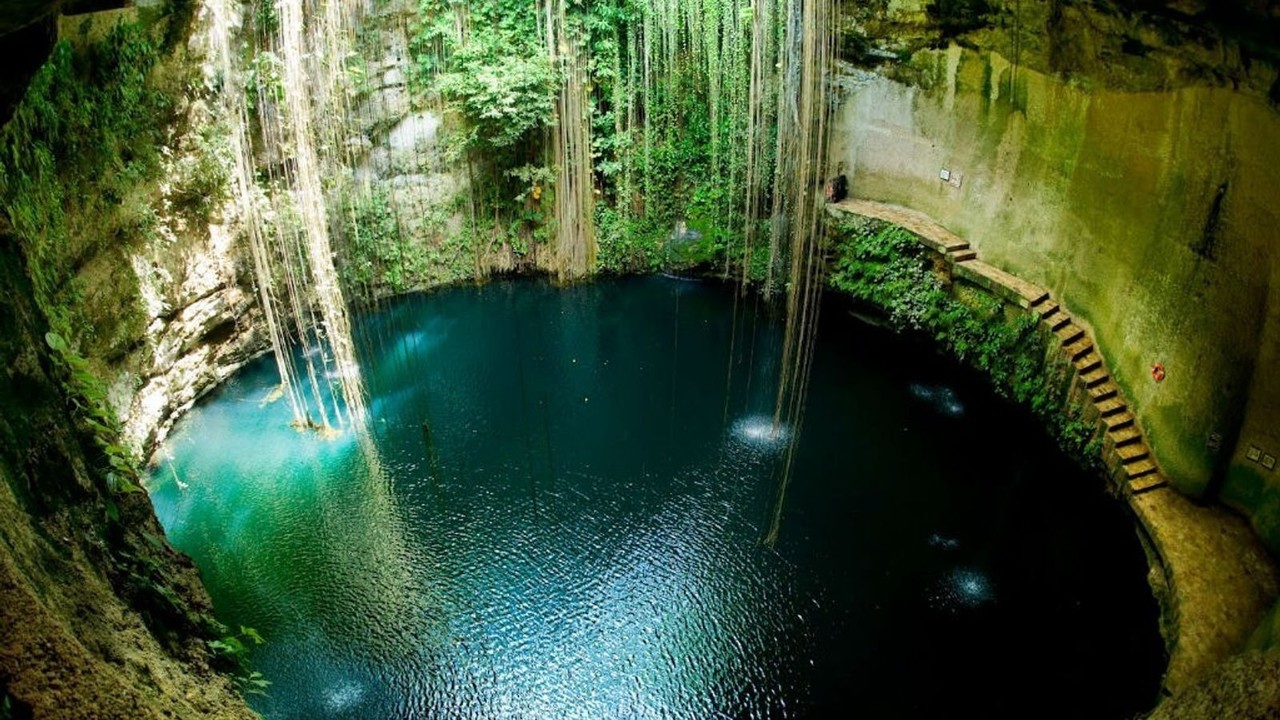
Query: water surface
[[566, 515]]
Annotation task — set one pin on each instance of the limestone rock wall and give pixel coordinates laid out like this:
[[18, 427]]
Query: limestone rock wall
[[202, 324], [1151, 214], [402, 156], [179, 314]]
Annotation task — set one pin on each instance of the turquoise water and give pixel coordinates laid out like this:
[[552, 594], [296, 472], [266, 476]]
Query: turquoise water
[[576, 533]]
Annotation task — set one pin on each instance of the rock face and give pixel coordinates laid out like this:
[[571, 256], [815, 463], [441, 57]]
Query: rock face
[[1243, 688], [1122, 154], [400, 156], [100, 618], [176, 315], [1129, 45], [202, 326]]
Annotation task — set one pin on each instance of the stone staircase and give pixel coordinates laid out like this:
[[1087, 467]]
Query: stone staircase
[[1124, 449]]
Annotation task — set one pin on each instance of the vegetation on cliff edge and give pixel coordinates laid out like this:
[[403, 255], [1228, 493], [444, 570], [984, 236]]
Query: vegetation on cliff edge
[[884, 266]]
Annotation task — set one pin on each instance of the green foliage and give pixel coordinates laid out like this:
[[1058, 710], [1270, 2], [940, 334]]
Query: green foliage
[[79, 145], [660, 155], [883, 265], [888, 269], [265, 76], [505, 97], [88, 398], [234, 649], [199, 179], [376, 256], [74, 161], [487, 60], [265, 19], [528, 217], [627, 243], [374, 252]]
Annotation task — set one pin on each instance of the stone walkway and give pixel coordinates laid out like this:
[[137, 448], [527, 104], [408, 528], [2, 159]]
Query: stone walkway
[[1217, 577]]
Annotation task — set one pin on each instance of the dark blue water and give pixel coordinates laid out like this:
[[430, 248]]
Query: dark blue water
[[577, 531]]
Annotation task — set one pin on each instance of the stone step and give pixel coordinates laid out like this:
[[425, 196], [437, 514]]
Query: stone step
[[1040, 300], [1048, 308], [1119, 420], [1002, 284], [1142, 468], [1058, 321], [1127, 435], [1095, 377], [1034, 295], [1130, 454], [1090, 369], [1111, 406], [1147, 483], [1070, 333], [1078, 349], [964, 256], [1105, 391]]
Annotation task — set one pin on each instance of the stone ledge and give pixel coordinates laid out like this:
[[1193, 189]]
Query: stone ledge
[[1220, 577]]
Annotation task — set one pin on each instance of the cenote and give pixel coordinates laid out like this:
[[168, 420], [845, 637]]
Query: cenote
[[566, 513]]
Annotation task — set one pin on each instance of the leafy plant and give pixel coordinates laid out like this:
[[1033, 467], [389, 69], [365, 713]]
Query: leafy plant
[[234, 650], [486, 59], [374, 252], [200, 177], [75, 156], [660, 154], [89, 402]]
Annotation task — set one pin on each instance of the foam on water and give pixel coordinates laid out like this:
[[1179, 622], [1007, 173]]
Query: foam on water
[[942, 398], [962, 589], [343, 696], [342, 372], [760, 432]]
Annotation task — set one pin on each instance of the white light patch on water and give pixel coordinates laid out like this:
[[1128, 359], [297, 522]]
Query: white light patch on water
[[962, 589], [942, 542], [343, 696], [760, 432], [942, 398]]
